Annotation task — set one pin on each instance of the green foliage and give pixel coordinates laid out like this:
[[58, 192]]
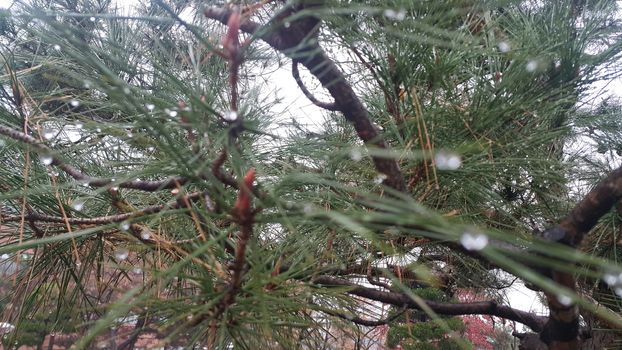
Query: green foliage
[[131, 98]]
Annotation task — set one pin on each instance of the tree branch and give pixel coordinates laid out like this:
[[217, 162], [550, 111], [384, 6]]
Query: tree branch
[[298, 41], [307, 93], [491, 308], [92, 181], [562, 329]]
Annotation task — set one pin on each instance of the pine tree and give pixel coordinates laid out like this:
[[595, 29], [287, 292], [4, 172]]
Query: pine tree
[[153, 174]]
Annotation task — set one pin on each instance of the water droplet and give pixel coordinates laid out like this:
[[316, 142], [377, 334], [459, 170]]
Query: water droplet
[[74, 136], [46, 160], [92, 19], [175, 191], [564, 299], [618, 291], [173, 114], [129, 134], [74, 103], [98, 130], [145, 234], [161, 37], [230, 116], [150, 106], [150, 148], [56, 47], [289, 205], [287, 24], [399, 15], [504, 46], [87, 84], [2, 143], [48, 133], [473, 241], [114, 188], [380, 179], [121, 253], [447, 161], [137, 270], [356, 154], [307, 209], [86, 184], [612, 278], [77, 205], [531, 66], [4, 256], [124, 226]]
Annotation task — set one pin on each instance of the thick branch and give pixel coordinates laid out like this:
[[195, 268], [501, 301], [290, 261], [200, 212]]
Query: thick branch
[[298, 41], [491, 308], [562, 329]]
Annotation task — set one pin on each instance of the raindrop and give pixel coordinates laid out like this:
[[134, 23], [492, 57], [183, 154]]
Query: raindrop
[[79, 126], [92, 19], [86, 184], [473, 241], [4, 256], [175, 191], [56, 47], [48, 133], [172, 113], [504, 46], [74, 103], [531, 66], [161, 37], [150, 148], [46, 160], [612, 278], [380, 179], [74, 136], [126, 90], [447, 161], [356, 155], [129, 134], [124, 226], [98, 130], [307, 209], [287, 24], [78, 205], [145, 234], [150, 106], [231, 116], [121, 253], [396, 15], [564, 299]]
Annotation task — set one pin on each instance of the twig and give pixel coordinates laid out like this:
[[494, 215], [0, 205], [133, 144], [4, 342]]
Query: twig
[[143, 185], [296, 74], [362, 321]]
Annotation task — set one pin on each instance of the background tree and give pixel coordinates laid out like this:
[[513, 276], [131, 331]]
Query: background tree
[[152, 173]]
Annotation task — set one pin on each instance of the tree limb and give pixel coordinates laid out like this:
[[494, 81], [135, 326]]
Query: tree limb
[[298, 41]]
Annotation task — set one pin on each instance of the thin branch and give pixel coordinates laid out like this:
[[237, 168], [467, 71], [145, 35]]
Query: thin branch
[[36, 217], [80, 176], [491, 308], [296, 74]]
